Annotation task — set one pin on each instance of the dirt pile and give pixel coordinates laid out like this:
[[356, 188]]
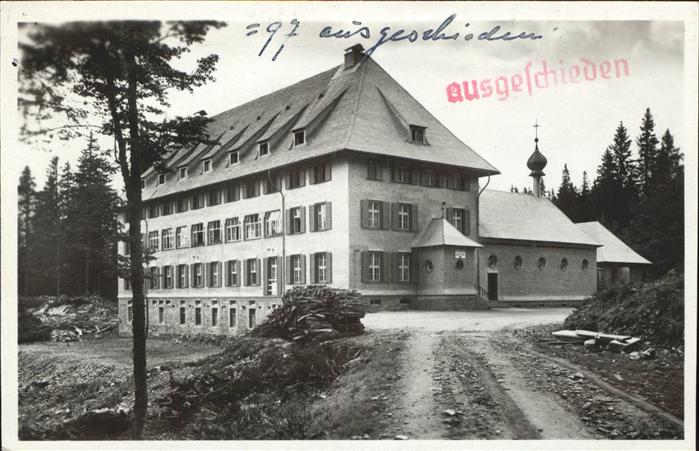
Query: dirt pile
[[314, 313], [653, 311], [67, 319]]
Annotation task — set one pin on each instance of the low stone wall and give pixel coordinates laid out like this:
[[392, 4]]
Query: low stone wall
[[435, 303]]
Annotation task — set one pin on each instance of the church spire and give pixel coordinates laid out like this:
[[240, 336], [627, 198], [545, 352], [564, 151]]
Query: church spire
[[536, 163]]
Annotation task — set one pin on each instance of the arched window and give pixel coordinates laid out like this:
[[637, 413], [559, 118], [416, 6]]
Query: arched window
[[541, 264], [564, 264], [492, 261], [585, 264], [517, 263]]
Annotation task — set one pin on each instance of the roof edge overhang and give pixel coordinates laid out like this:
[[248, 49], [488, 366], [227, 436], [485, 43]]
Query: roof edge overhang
[[534, 243], [609, 262], [479, 171], [471, 246]]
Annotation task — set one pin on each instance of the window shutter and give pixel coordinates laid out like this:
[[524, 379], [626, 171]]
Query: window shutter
[[186, 276], [328, 215], [239, 274], [246, 276], [220, 273], [227, 273], [173, 275], [414, 218], [440, 178], [303, 269], [414, 176], [312, 276], [364, 211], [450, 215], [313, 175], [312, 222], [287, 222], [385, 215], [302, 178], [259, 273], [287, 180], [329, 264], [280, 276], [192, 280], [288, 270], [395, 261], [394, 216], [303, 220], [385, 266], [328, 172], [160, 274], [262, 275], [467, 222], [365, 266], [414, 268]]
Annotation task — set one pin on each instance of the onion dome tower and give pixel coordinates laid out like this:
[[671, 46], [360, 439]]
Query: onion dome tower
[[536, 163]]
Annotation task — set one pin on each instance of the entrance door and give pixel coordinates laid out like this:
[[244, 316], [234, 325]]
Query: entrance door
[[492, 286]]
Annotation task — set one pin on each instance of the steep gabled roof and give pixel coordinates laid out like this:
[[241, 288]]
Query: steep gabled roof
[[525, 217], [440, 232], [613, 250], [341, 109]]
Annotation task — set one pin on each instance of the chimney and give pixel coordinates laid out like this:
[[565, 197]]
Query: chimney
[[353, 55]]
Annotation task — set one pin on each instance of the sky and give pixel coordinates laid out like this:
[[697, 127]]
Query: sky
[[577, 120]]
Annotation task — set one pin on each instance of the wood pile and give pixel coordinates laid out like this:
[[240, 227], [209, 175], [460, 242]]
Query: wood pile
[[615, 343], [314, 313], [73, 319]]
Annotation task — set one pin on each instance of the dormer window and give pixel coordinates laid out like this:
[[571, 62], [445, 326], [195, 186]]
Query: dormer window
[[233, 158], [264, 148], [143, 183], [207, 166], [183, 172], [161, 179], [299, 137], [417, 134]]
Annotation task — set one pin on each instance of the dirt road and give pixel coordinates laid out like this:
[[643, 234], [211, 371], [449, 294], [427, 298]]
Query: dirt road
[[479, 382]]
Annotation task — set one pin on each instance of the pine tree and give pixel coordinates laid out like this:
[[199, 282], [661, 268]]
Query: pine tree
[[46, 239], [647, 151], [567, 197], [26, 199], [585, 205]]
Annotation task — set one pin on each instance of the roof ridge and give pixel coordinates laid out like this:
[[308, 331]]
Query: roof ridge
[[355, 107]]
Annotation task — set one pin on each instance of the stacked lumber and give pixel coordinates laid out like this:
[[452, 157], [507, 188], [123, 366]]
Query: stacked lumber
[[315, 313], [72, 319], [615, 343]]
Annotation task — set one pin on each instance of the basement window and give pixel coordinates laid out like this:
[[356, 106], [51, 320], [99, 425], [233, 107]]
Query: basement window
[[299, 137], [263, 149], [417, 134]]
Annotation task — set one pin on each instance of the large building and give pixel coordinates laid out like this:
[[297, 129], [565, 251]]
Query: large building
[[344, 179]]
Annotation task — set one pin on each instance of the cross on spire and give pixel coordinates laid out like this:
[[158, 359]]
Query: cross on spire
[[536, 130]]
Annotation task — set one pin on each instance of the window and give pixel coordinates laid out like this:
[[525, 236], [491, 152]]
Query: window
[[198, 200], [197, 279], [198, 234], [161, 179], [374, 214], [232, 273], [233, 158], [153, 210], [564, 264], [297, 220], [296, 179], [167, 238], [232, 230], [181, 204], [232, 193], [167, 277], [541, 264], [251, 267], [401, 174], [214, 316], [273, 184], [183, 172], [182, 237], [214, 274], [457, 218], [517, 263], [403, 216], [206, 164], [299, 137], [166, 208], [213, 229], [153, 240], [214, 197], [320, 173], [161, 315], [429, 178], [252, 320], [404, 267], [143, 183], [273, 223], [417, 134], [263, 148], [375, 302], [460, 182], [585, 264], [297, 269], [153, 278], [181, 276], [375, 267], [252, 189], [183, 315], [197, 316], [322, 267], [231, 317], [253, 227], [492, 261], [322, 217], [460, 219], [374, 170]]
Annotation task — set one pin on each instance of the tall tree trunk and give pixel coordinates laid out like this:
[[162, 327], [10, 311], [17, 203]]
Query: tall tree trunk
[[87, 270]]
